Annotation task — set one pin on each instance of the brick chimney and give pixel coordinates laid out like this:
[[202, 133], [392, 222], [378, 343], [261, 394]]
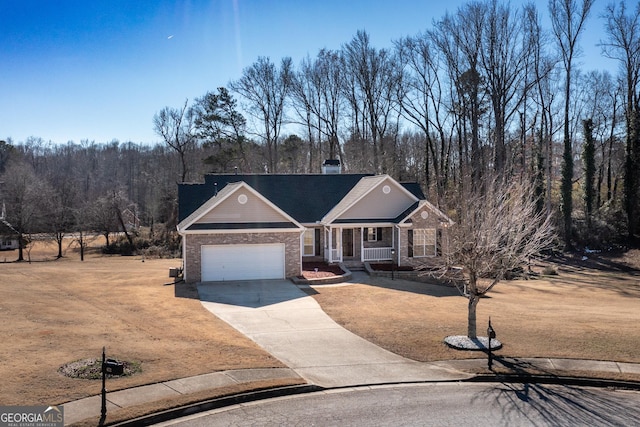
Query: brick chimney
[[331, 166]]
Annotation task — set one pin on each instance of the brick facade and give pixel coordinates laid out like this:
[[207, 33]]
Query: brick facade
[[432, 221], [194, 242]]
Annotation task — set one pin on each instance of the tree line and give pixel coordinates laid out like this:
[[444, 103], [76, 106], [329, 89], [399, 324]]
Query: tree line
[[484, 92]]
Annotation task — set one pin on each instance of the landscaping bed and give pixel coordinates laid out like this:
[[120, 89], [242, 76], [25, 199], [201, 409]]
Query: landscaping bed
[[320, 270]]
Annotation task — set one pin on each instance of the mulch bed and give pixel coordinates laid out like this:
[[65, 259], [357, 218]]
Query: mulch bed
[[317, 270], [91, 369]]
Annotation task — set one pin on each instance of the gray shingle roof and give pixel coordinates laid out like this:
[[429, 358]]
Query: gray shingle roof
[[306, 198], [7, 229]]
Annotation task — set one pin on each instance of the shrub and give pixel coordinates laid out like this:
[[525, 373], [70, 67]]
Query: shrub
[[165, 244], [608, 229]]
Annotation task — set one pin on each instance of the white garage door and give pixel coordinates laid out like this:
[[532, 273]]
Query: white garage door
[[242, 262]]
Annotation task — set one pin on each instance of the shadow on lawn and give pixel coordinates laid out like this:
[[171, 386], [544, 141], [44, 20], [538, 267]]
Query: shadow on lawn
[[604, 262], [422, 288], [610, 272], [625, 286]]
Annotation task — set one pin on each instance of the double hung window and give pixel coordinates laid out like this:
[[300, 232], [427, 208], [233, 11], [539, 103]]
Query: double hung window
[[309, 243], [423, 242]]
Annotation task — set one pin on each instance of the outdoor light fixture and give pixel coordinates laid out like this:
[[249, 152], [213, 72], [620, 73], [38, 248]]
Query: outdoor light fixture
[[491, 334], [393, 263]]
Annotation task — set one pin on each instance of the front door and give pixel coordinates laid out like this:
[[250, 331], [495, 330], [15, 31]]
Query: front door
[[347, 242]]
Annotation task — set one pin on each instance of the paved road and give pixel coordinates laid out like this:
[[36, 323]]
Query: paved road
[[444, 404], [290, 325]]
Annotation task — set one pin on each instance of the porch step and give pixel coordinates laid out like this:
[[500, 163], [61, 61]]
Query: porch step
[[354, 265]]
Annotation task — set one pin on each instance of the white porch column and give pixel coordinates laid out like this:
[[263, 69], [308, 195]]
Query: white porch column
[[302, 232], [339, 243], [330, 245], [361, 244], [399, 248]]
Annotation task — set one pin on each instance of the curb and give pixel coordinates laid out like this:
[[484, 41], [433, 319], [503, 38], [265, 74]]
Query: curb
[[559, 380], [216, 403]]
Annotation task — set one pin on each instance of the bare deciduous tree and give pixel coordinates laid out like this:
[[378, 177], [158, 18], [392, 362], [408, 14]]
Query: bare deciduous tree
[[506, 50], [23, 192], [120, 204], [623, 44], [371, 92], [176, 127], [59, 204], [498, 231], [567, 19], [100, 216], [317, 98], [266, 88], [422, 104], [459, 38]]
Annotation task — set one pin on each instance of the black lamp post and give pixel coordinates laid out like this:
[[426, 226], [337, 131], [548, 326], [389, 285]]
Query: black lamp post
[[491, 334], [393, 263]]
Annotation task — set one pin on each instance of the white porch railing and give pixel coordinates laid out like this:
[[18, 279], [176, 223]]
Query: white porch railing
[[376, 254]]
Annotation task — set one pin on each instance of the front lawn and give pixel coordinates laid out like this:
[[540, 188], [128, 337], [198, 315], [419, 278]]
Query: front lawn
[[588, 311], [56, 312]]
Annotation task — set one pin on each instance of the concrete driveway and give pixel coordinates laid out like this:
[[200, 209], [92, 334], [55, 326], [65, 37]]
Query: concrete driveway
[[290, 325]]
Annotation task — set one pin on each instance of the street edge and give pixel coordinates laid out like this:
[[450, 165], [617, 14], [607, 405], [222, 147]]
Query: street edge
[[553, 379], [216, 403], [251, 396]]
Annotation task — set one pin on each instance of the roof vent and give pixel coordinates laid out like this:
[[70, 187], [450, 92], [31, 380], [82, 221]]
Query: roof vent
[[331, 166]]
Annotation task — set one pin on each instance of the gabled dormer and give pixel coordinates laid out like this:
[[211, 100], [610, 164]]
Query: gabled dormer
[[237, 206], [377, 197]]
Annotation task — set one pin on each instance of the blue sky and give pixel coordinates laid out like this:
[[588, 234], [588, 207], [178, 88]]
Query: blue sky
[[100, 69]]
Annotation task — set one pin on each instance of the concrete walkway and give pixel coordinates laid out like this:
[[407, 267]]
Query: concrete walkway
[[290, 325]]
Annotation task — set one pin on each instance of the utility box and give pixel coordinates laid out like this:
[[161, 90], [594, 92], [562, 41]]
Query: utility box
[[174, 272], [113, 367]]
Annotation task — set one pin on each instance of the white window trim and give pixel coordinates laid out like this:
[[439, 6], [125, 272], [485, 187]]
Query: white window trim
[[313, 242], [424, 246]]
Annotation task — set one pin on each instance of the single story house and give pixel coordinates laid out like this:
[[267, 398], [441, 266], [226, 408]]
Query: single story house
[[257, 226], [8, 236]]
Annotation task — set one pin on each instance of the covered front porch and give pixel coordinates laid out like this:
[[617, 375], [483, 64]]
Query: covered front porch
[[360, 243]]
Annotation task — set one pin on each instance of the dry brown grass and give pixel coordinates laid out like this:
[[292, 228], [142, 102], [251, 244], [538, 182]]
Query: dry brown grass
[[582, 313], [56, 312], [59, 311]]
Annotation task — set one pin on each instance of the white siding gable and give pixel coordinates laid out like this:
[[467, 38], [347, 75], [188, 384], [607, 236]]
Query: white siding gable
[[242, 206], [386, 201], [378, 197], [236, 203], [427, 210]]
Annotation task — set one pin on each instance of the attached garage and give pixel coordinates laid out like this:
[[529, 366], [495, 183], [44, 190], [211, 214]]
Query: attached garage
[[242, 262]]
